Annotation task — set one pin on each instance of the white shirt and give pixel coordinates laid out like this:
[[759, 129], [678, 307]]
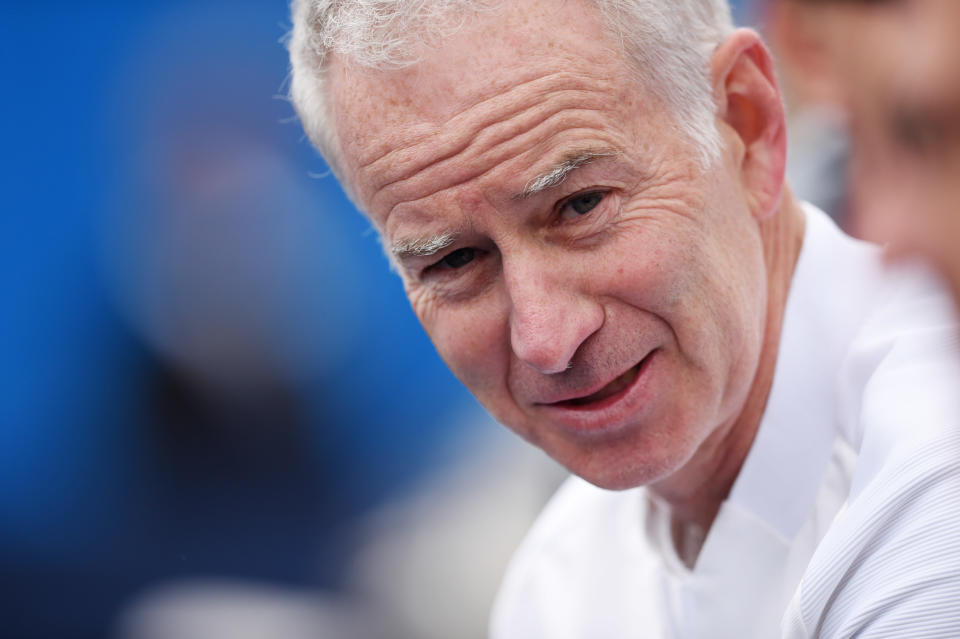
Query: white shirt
[[863, 379]]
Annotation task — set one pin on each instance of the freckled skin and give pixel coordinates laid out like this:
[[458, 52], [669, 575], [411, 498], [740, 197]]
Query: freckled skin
[[673, 259]]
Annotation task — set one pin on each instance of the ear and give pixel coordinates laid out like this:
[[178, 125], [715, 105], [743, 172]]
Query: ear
[[751, 118]]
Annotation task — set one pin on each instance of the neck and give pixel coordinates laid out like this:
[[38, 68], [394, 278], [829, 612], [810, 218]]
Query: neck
[[696, 492]]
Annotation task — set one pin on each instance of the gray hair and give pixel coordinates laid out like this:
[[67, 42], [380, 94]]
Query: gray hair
[[670, 42]]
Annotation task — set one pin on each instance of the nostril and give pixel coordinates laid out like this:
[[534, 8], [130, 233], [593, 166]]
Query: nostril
[[541, 348], [545, 355], [548, 342]]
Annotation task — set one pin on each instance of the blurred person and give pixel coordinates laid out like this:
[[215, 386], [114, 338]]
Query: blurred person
[[211, 255], [900, 62], [896, 65], [586, 204]]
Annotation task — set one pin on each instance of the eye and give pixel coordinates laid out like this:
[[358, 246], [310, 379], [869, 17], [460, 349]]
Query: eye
[[458, 259], [917, 134], [456, 265], [581, 204]]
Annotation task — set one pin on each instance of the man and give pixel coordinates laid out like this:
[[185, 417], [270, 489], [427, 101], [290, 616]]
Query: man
[[585, 201]]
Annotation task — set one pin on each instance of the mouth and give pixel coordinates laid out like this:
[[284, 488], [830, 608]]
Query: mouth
[[610, 392], [611, 389], [610, 410]]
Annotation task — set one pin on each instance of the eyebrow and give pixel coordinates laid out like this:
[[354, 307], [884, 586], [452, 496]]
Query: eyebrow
[[422, 246], [556, 174], [426, 246]]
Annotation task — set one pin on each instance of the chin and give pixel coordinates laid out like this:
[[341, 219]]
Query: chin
[[624, 469]]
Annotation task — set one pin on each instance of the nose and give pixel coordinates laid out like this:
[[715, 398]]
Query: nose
[[549, 317]]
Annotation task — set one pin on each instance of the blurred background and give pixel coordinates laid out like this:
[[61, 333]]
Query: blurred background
[[218, 417]]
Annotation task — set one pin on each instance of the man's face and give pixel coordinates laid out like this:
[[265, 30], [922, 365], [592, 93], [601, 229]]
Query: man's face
[[903, 67], [612, 317]]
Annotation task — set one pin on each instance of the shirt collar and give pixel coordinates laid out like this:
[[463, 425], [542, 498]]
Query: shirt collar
[[782, 473]]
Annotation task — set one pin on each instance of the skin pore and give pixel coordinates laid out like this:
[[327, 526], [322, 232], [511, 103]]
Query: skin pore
[[600, 292]]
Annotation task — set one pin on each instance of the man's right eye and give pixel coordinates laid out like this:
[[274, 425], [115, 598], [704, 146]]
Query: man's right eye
[[917, 134], [457, 259], [459, 274]]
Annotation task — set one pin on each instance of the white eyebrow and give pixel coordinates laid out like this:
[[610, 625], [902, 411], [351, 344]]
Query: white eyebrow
[[556, 174], [426, 246], [422, 246]]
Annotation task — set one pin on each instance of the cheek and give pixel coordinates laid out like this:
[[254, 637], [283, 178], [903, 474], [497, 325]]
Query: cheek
[[891, 208], [706, 286], [875, 215], [938, 215], [471, 339], [722, 324]]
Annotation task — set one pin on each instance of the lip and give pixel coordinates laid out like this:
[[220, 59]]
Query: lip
[[610, 411]]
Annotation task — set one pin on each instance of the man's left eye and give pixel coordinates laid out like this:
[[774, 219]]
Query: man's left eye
[[916, 134], [580, 204]]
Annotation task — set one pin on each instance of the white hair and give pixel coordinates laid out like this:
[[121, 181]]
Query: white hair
[[670, 42]]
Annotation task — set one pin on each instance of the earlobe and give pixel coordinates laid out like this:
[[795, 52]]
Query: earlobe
[[749, 103]]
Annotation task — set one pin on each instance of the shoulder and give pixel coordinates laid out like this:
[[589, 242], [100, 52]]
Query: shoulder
[[890, 565]]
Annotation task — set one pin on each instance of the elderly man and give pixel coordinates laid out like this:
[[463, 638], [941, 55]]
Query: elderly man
[[585, 202]]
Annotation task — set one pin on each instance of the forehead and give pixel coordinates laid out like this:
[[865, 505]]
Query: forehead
[[907, 50], [495, 77], [929, 46]]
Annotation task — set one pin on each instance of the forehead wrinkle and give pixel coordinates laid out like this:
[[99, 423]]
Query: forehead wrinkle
[[398, 164], [496, 94], [495, 148]]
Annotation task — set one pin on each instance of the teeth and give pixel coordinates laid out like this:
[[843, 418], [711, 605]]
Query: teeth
[[612, 388]]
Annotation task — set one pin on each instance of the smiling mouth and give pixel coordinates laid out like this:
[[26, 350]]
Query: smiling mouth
[[616, 386]]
